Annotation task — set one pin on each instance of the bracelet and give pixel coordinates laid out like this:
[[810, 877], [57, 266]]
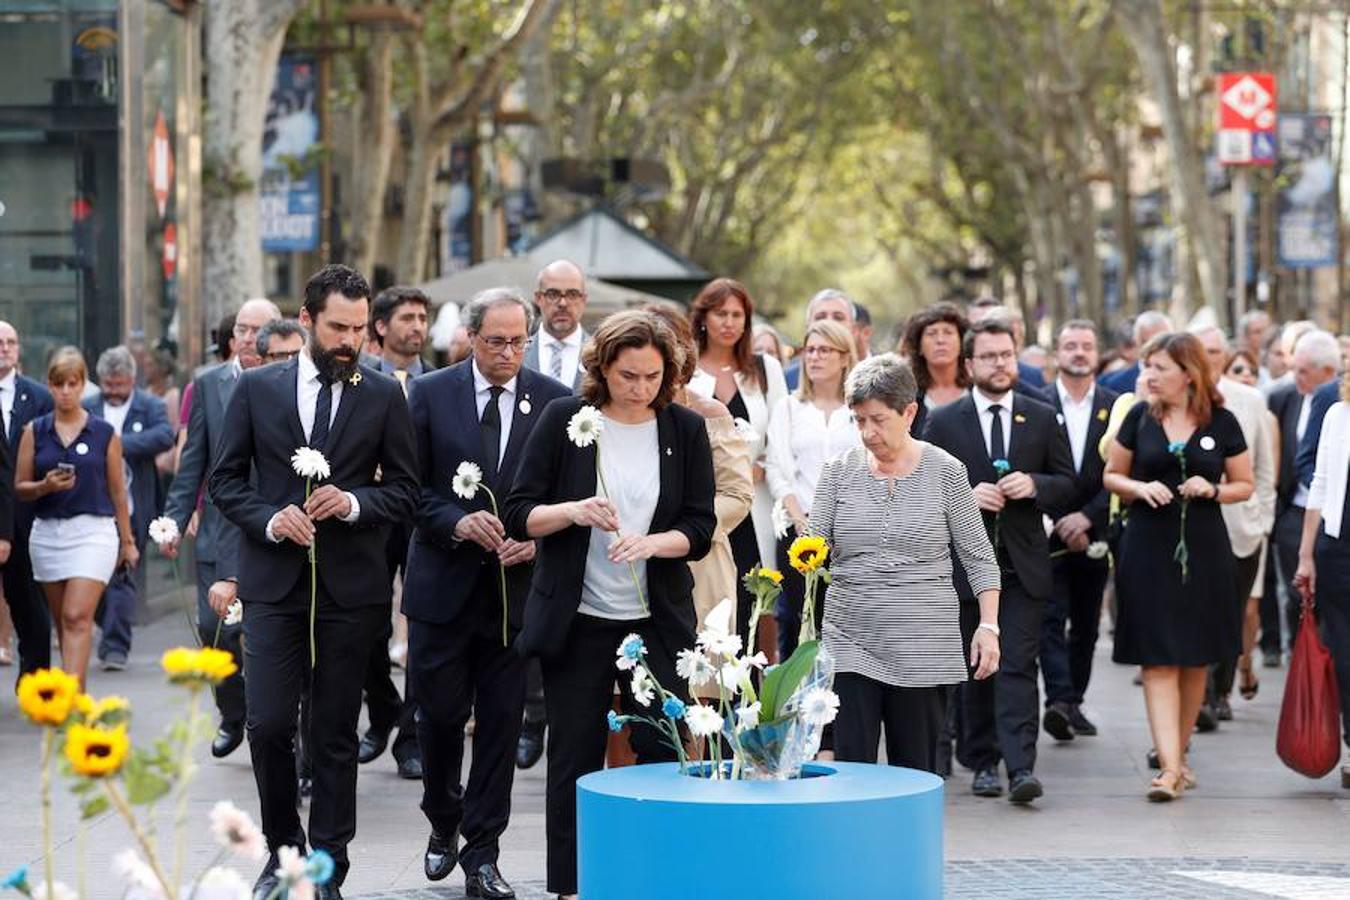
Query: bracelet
[[1215, 495], [988, 626]]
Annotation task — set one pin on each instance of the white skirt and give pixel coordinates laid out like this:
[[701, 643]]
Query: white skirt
[[78, 547]]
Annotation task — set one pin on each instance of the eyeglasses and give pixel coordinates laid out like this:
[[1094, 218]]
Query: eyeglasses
[[553, 295], [498, 344], [820, 351], [280, 355], [990, 359], [243, 331]]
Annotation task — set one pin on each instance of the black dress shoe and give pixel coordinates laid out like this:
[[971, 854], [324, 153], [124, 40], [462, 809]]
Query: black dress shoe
[[530, 746], [986, 784], [1206, 721], [1080, 724], [226, 741], [327, 891], [486, 881], [441, 856], [1056, 722], [410, 768], [1223, 711], [1023, 787], [372, 745]]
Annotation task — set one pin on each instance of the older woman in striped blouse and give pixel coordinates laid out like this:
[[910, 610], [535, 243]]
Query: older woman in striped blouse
[[893, 510]]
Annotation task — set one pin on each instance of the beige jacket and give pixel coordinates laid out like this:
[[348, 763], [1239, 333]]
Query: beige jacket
[[715, 575], [1251, 520]]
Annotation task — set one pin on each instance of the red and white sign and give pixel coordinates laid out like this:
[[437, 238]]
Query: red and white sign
[[170, 257], [1247, 117], [161, 164]]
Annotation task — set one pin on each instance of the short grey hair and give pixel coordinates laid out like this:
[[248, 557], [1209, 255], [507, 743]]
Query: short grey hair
[[1150, 320], [1202, 330], [830, 294], [886, 378], [1320, 347], [1249, 318], [115, 361], [282, 327], [491, 298]]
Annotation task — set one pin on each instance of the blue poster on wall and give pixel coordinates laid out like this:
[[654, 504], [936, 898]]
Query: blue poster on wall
[[289, 200]]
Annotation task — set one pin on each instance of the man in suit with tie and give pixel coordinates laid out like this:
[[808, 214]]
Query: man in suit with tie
[[358, 419], [217, 540], [555, 352], [21, 401], [1020, 468], [1316, 362], [138, 417], [398, 326], [1082, 409], [479, 411]]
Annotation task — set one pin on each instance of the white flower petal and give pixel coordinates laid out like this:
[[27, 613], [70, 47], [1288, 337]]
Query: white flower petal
[[310, 463], [702, 720], [584, 428]]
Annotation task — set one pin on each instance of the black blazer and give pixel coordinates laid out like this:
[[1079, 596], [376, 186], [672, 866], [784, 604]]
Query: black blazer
[[554, 470], [442, 578], [1285, 402], [1038, 447], [371, 433], [1090, 498], [31, 399]]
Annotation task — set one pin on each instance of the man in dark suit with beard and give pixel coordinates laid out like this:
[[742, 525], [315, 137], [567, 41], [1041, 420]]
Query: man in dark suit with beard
[[479, 411], [358, 419], [1020, 468]]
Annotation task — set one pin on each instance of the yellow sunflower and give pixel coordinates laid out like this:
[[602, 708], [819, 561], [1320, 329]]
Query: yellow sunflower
[[108, 711], [772, 574], [205, 666], [808, 553], [47, 696], [96, 752]]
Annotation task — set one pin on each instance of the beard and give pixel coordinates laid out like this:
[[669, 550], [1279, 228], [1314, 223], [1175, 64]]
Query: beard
[[996, 385], [334, 365]]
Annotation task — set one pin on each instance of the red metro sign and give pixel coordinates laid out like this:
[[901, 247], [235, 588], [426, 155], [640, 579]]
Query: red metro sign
[[1247, 118]]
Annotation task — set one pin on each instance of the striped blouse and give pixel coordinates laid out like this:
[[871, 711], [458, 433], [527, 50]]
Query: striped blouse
[[891, 611]]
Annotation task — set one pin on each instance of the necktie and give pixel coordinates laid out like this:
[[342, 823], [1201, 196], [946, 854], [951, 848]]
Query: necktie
[[323, 411], [997, 448], [491, 431], [555, 363]]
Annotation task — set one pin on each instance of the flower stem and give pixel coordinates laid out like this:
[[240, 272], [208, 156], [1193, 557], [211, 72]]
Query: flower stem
[[632, 569], [120, 804], [501, 569], [47, 740], [313, 587], [185, 771]]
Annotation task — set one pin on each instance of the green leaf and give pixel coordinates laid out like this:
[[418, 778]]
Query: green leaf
[[144, 786], [82, 785], [93, 806], [783, 679]]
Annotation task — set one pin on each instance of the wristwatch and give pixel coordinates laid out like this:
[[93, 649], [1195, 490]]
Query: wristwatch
[[988, 626]]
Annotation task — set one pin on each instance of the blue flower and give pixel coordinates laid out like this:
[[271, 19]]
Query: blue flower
[[615, 721], [1002, 466], [17, 880], [673, 708], [319, 866], [1176, 448], [633, 648]]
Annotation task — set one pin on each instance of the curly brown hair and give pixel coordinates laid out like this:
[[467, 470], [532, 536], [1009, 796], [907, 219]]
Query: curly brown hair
[[918, 324], [630, 329]]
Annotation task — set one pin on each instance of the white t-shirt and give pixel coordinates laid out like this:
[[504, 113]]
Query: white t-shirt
[[631, 462]]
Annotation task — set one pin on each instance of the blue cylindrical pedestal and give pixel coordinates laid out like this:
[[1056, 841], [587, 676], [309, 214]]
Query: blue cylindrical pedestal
[[853, 831]]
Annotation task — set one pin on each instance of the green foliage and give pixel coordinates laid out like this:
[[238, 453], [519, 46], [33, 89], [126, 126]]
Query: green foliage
[[783, 679], [145, 777]]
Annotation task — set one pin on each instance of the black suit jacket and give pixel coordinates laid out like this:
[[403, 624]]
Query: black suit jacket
[[31, 399], [554, 470], [1038, 447], [371, 433], [1090, 498], [1285, 402], [443, 575]]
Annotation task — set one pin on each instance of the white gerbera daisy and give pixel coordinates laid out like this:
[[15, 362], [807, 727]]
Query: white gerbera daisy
[[695, 667], [235, 614], [1098, 550], [233, 828], [467, 479], [310, 463], [819, 706], [584, 428], [781, 520], [163, 530], [643, 691], [747, 716], [702, 720]]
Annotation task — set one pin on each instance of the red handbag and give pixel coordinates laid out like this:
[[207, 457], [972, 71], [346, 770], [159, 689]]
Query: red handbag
[[1309, 736]]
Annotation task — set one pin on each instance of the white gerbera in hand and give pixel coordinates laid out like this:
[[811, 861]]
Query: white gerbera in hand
[[1098, 550], [695, 667], [163, 530], [235, 613], [310, 463], [467, 479], [781, 520], [584, 428], [702, 720], [643, 691], [819, 706]]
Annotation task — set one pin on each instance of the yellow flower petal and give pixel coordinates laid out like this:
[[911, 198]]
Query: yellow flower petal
[[96, 752], [48, 695]]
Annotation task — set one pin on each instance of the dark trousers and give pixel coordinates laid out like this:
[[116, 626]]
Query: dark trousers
[[230, 692], [27, 605], [579, 690], [385, 708], [1332, 556], [1000, 716], [464, 666], [913, 717], [277, 668], [1221, 675], [536, 716], [1281, 565], [117, 608], [1076, 602]]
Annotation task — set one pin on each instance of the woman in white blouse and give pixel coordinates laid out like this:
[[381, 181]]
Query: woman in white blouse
[[806, 430], [749, 385], [1324, 553]]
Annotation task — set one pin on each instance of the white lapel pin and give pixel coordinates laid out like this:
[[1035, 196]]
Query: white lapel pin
[[137, 426], [525, 406], [1207, 443], [82, 448], [669, 452]]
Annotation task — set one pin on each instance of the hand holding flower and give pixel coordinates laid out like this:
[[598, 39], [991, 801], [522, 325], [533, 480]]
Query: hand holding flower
[[632, 548], [291, 524], [328, 501], [595, 512], [512, 552], [989, 497], [483, 528], [1154, 493], [1197, 488], [1017, 486], [220, 595]]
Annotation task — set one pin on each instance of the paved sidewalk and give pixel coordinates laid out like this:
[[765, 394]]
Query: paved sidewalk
[[1252, 829]]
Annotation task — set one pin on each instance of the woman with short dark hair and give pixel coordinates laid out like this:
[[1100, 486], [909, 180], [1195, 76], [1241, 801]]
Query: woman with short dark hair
[[613, 550], [933, 340]]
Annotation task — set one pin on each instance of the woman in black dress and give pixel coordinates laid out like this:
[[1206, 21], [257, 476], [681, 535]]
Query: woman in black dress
[[1175, 459]]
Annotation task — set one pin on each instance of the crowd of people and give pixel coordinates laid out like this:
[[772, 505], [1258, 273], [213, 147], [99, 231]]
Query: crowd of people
[[985, 501]]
